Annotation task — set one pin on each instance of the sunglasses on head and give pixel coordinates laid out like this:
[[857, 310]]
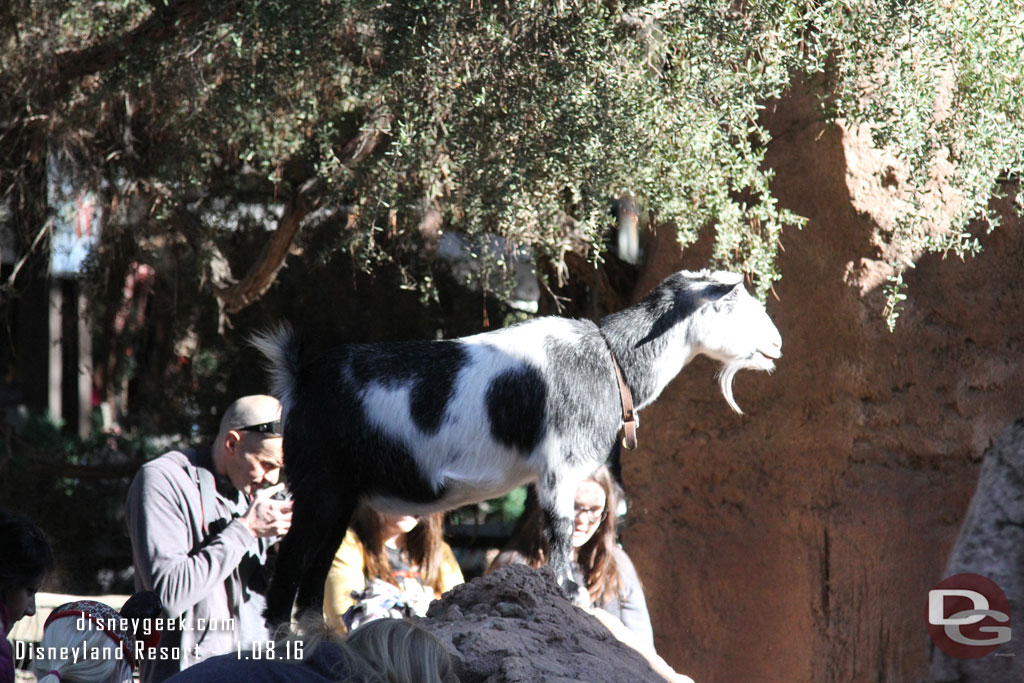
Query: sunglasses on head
[[272, 428]]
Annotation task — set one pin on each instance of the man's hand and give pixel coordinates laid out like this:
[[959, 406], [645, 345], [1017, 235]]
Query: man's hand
[[267, 517]]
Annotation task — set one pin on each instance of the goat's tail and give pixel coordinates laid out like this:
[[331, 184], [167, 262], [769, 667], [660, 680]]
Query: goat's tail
[[281, 349]]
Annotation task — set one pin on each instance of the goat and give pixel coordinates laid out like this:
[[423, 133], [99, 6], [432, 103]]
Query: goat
[[418, 427]]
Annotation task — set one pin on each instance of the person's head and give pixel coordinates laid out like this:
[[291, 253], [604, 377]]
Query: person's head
[[402, 651], [398, 525], [594, 509], [379, 651], [589, 512], [104, 653], [422, 538], [248, 446], [24, 561]]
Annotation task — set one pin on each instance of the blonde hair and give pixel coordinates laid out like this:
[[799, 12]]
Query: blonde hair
[[379, 651], [402, 651], [109, 666]]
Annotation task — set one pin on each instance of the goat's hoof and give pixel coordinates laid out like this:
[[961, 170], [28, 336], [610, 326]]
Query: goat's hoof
[[575, 593]]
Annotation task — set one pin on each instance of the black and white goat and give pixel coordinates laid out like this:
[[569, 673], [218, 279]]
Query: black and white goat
[[417, 427]]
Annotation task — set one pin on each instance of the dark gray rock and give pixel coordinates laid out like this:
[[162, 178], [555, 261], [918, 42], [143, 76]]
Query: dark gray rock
[[515, 626], [991, 543]]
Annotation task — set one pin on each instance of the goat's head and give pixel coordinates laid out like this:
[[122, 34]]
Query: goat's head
[[733, 327]]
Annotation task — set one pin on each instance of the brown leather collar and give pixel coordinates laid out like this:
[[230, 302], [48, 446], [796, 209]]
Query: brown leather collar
[[629, 422]]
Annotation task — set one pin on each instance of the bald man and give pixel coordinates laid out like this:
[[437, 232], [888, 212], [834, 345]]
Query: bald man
[[200, 523]]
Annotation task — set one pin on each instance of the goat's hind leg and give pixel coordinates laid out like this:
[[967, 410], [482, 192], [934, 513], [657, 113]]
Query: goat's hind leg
[[285, 582], [311, 587]]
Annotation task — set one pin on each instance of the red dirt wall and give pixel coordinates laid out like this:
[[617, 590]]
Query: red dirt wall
[[798, 542]]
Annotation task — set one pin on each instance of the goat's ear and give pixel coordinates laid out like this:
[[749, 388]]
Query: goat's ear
[[719, 294], [730, 296]]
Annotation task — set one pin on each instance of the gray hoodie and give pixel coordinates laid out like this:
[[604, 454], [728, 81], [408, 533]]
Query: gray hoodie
[[205, 565]]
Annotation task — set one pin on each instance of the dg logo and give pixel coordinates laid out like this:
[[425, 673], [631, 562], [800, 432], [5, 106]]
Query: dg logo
[[968, 616]]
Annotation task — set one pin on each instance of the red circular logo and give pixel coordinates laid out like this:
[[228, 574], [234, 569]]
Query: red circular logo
[[968, 616]]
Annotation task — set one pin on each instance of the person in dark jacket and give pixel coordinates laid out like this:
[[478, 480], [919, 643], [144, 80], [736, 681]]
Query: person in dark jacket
[[25, 558]]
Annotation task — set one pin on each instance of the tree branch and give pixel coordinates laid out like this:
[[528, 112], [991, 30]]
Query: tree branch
[[362, 145], [28, 252], [263, 272], [167, 21]]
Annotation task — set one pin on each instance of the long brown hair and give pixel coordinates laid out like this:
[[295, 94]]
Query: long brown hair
[[424, 545], [595, 557]]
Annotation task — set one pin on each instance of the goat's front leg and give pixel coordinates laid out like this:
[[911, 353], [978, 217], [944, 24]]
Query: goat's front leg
[[557, 496], [318, 527]]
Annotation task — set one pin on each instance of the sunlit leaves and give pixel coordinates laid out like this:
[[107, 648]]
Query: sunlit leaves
[[522, 120]]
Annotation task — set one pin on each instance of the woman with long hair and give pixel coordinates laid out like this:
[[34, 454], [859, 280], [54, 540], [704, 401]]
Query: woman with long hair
[[600, 565], [393, 565]]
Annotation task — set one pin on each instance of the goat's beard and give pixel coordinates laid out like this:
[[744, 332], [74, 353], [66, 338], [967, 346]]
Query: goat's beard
[[726, 375]]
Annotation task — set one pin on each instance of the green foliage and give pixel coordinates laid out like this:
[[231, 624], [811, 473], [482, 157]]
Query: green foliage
[[525, 122], [505, 509], [511, 120], [940, 85], [523, 119]]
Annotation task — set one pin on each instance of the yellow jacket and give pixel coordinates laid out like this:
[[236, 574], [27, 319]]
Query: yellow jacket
[[348, 574]]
